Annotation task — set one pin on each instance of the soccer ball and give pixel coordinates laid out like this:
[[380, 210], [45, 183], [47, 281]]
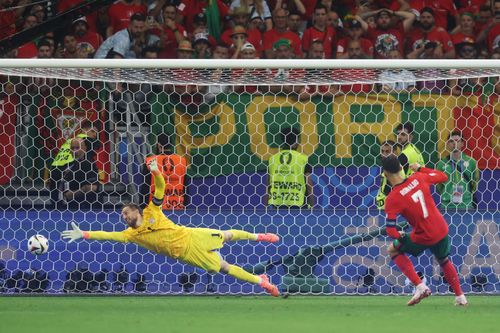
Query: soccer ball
[[38, 244]]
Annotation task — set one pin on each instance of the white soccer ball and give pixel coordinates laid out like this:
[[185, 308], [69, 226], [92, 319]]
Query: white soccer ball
[[38, 244]]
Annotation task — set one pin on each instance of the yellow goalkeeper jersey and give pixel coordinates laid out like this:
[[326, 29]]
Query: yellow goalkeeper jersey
[[156, 233]]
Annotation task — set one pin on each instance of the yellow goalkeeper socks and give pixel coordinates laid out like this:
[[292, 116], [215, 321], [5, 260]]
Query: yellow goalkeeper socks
[[241, 274], [242, 235]]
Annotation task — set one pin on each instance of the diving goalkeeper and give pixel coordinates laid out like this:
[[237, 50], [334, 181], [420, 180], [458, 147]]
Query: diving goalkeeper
[[198, 247]]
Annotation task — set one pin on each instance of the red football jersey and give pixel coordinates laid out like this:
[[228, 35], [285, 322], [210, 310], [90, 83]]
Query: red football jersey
[[413, 200]]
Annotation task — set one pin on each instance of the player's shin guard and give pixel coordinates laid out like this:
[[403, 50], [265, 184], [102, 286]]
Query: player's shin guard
[[450, 273], [406, 267], [242, 235], [240, 274]]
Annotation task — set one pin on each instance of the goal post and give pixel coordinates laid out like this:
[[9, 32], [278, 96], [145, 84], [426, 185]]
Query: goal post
[[225, 117]]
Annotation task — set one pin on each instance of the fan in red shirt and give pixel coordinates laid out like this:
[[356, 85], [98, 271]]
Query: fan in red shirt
[[119, 14], [412, 198], [320, 31]]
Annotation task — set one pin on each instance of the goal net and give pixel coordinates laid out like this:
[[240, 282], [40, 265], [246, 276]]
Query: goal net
[[226, 119]]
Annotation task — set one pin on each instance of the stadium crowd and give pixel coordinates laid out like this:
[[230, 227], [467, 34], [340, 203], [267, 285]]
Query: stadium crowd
[[246, 29]]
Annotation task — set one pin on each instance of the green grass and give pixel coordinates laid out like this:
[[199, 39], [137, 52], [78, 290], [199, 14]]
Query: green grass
[[247, 314]]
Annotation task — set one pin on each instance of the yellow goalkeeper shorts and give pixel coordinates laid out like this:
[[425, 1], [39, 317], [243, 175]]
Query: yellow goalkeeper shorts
[[202, 249]]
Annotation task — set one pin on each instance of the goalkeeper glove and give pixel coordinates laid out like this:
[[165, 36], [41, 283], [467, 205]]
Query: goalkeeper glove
[[153, 167], [74, 234]]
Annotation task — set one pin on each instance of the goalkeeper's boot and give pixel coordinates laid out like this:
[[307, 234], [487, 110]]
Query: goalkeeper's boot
[[268, 286], [461, 300], [270, 238], [421, 292]]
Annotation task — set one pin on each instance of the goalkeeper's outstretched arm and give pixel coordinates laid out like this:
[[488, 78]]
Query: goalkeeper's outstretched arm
[[159, 181], [76, 233]]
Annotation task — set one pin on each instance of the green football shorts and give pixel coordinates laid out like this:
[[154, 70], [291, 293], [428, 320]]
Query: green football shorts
[[441, 249]]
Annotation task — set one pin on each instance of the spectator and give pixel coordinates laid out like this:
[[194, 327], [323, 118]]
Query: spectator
[[355, 30], [81, 178], [465, 29], [296, 24], [87, 41], [220, 51], [9, 15], [255, 8], [170, 33], [289, 183], [301, 7], [238, 37], [201, 46], [280, 31], [239, 17], [30, 21], [387, 148], [484, 16], [91, 18], [248, 51], [70, 49], [409, 152], [442, 10], [128, 43], [185, 50], [429, 40], [320, 31], [462, 172], [39, 12], [386, 36], [397, 80], [44, 48], [120, 15], [189, 9]]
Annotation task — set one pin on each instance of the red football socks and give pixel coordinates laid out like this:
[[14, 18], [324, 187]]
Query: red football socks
[[451, 276], [406, 267]]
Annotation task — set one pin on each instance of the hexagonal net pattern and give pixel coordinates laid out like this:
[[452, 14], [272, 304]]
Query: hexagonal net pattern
[[291, 151]]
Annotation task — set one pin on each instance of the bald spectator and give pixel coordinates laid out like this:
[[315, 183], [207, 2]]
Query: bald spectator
[[388, 36], [280, 31], [320, 31], [428, 40]]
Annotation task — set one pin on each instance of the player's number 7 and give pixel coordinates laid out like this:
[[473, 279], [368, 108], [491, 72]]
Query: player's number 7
[[419, 197]]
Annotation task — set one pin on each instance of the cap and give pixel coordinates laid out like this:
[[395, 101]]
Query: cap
[[81, 19], [200, 37], [353, 24], [247, 46], [200, 17], [239, 30], [282, 42], [185, 45]]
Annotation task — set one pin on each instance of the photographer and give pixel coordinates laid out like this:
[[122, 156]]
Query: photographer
[[429, 41]]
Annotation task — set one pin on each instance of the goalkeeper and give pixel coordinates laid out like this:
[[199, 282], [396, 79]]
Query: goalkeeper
[[195, 246]]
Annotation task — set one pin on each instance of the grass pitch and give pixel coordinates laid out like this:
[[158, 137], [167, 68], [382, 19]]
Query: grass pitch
[[208, 314]]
